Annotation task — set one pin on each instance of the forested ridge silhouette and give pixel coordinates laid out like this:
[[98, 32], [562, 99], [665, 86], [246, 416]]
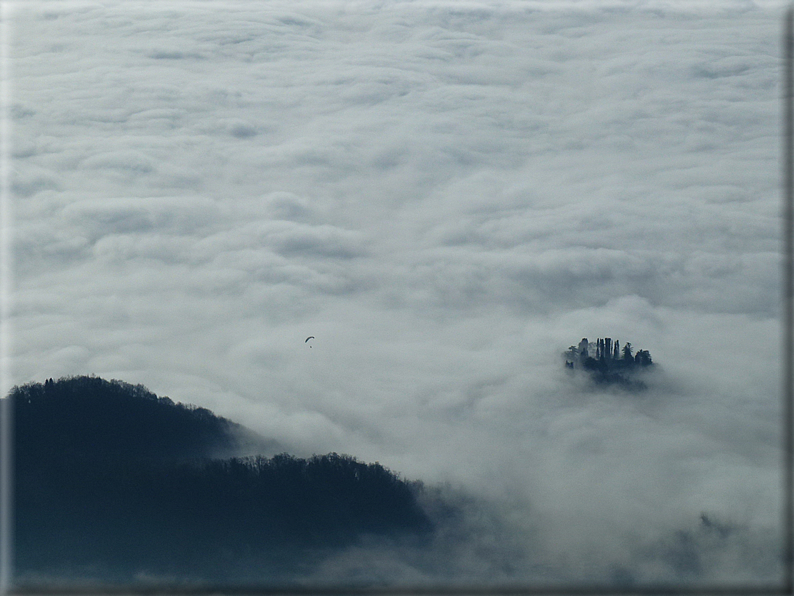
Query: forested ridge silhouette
[[114, 484], [606, 363]]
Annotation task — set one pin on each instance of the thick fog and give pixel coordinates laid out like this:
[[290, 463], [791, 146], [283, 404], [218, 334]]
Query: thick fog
[[446, 196]]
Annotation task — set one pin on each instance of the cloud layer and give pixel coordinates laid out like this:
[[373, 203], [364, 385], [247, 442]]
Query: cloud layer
[[446, 197]]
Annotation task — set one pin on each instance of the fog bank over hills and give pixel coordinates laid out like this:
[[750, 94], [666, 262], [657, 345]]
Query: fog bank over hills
[[116, 486], [444, 196]]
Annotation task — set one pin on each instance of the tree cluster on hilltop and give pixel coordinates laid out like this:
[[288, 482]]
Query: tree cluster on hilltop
[[114, 483], [607, 363]]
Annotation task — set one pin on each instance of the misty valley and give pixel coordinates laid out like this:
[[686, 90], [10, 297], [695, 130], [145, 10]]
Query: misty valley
[[116, 486]]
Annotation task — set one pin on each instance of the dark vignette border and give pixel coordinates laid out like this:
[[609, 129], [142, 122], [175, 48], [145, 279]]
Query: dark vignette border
[[6, 223], [786, 586]]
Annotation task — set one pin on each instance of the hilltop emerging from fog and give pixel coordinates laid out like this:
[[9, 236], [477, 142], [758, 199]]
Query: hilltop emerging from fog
[[607, 363], [115, 483]]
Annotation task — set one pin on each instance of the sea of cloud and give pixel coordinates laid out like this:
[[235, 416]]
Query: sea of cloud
[[446, 196]]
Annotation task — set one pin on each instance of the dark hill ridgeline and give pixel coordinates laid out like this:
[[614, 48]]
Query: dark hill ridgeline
[[114, 484], [92, 417]]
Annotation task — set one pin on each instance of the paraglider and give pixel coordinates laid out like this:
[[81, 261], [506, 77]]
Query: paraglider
[[308, 338]]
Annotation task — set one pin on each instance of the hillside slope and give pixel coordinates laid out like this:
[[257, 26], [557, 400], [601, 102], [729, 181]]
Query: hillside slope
[[114, 484], [92, 417]]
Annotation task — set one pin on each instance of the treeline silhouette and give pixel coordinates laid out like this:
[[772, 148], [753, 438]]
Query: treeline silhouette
[[91, 417], [114, 484], [607, 363]]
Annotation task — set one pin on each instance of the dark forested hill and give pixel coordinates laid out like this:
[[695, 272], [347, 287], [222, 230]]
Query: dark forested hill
[[92, 417], [115, 485]]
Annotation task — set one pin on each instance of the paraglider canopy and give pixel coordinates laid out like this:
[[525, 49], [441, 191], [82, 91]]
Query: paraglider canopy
[[308, 338]]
